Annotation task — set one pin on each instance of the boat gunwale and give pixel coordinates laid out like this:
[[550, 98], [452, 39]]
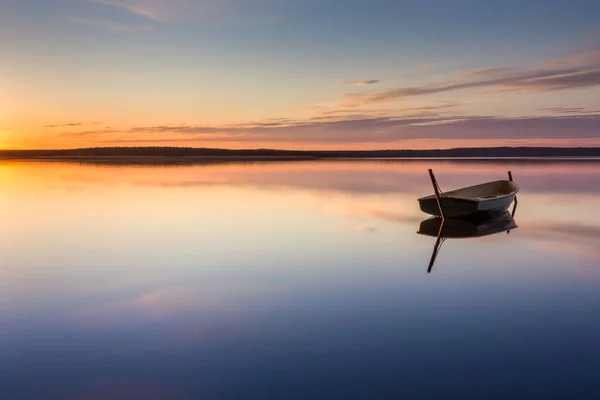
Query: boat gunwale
[[474, 199]]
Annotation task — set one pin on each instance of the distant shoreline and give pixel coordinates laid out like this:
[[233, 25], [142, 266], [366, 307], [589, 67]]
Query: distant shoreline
[[181, 161], [189, 155], [157, 158]]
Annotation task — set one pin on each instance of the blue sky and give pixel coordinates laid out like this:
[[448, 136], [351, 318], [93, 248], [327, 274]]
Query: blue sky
[[215, 72]]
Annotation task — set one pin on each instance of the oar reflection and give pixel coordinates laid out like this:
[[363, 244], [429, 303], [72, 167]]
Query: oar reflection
[[449, 228]]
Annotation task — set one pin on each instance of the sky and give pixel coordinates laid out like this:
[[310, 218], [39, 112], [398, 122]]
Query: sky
[[299, 74]]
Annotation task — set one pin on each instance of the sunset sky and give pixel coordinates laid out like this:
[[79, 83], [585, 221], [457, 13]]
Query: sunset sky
[[301, 74]]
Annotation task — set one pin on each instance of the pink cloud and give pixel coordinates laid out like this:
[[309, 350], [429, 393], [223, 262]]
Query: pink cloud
[[481, 72], [583, 57], [360, 83], [534, 80]]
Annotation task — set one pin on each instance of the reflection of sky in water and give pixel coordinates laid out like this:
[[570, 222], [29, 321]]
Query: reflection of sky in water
[[292, 280]]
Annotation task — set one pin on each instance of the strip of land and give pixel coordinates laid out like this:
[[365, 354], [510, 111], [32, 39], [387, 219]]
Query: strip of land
[[161, 155]]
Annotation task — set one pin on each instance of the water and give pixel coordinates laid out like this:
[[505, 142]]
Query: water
[[293, 281]]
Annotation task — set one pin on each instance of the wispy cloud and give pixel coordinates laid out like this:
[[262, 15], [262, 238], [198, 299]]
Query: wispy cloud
[[64, 125], [580, 70], [481, 72], [384, 129], [589, 56], [569, 110], [433, 108], [540, 80], [557, 80], [360, 83], [591, 34]]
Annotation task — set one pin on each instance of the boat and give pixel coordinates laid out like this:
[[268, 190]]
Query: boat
[[473, 201], [460, 228], [456, 228]]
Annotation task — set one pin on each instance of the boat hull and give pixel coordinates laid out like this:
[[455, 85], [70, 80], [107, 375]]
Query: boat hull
[[457, 207], [487, 198]]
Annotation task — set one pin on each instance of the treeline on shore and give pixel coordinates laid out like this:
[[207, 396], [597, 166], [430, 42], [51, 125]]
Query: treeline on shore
[[210, 152]]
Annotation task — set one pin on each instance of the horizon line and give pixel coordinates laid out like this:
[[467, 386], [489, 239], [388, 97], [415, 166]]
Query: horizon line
[[299, 151]]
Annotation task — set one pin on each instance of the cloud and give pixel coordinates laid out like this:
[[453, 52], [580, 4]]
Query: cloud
[[96, 132], [542, 80], [369, 129], [428, 109], [557, 81], [352, 113], [569, 110], [592, 34], [581, 70], [64, 125], [361, 83], [481, 72], [587, 57]]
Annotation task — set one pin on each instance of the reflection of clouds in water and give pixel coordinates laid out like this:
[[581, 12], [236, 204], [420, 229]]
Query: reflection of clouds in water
[[399, 177], [393, 178], [580, 231], [177, 316], [376, 213], [195, 263], [363, 229], [120, 389], [169, 301], [577, 240], [360, 176], [390, 216]]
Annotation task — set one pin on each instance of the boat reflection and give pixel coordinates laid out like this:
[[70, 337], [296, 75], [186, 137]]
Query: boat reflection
[[454, 228]]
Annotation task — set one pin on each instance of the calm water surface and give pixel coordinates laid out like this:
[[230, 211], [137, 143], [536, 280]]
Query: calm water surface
[[298, 280]]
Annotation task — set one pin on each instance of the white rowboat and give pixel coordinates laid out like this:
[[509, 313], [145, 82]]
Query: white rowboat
[[486, 198]]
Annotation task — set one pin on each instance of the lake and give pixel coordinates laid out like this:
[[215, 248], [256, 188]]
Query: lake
[[294, 280]]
